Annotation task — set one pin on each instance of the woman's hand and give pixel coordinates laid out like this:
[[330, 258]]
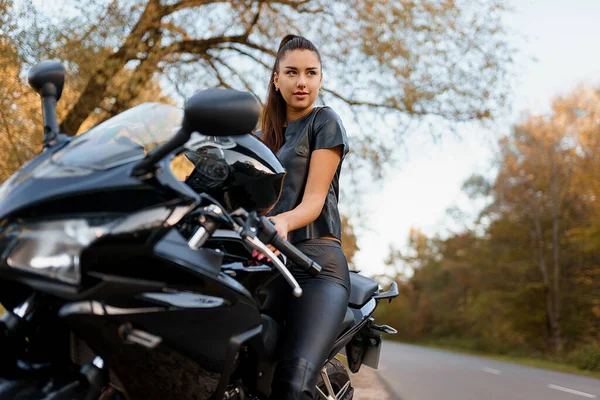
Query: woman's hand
[[282, 227], [281, 224]]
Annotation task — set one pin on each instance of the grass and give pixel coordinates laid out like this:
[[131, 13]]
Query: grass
[[531, 362]]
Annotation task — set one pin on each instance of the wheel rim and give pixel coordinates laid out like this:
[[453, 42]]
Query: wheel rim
[[330, 392]]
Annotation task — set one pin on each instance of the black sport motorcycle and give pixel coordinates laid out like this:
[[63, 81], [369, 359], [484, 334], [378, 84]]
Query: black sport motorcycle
[[125, 261]]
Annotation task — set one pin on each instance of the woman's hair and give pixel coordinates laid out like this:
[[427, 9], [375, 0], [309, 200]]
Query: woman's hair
[[274, 112]]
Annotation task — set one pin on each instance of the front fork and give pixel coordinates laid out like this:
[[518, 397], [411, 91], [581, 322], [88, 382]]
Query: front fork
[[35, 354], [14, 338]]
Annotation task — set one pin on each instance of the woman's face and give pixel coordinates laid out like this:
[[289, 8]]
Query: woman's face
[[299, 79]]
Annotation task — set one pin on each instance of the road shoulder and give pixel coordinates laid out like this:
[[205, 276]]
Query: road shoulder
[[368, 385]]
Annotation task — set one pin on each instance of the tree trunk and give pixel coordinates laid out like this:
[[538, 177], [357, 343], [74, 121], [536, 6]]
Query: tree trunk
[[139, 78], [95, 89], [557, 334], [548, 288]]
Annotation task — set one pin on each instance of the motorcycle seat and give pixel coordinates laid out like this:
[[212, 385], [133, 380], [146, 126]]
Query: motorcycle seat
[[361, 289]]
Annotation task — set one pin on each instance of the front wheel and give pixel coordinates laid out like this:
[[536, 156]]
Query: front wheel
[[334, 383]]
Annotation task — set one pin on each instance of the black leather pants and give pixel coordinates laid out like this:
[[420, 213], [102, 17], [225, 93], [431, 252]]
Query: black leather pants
[[312, 322]]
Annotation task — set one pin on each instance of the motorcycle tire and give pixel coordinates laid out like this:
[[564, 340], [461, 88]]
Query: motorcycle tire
[[339, 378]]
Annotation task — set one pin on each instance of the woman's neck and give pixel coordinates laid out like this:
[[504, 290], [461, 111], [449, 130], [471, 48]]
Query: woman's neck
[[292, 115]]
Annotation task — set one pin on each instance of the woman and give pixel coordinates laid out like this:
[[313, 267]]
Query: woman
[[311, 144]]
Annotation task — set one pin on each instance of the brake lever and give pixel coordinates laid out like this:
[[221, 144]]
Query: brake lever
[[287, 275], [247, 229]]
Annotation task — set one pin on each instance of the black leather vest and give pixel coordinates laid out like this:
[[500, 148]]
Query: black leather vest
[[321, 128]]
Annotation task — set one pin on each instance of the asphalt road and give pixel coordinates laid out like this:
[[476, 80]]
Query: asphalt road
[[418, 373]]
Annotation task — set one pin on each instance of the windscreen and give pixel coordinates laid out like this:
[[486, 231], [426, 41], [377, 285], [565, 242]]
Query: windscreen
[[124, 138]]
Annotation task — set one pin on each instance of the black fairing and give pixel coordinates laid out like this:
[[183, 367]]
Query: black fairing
[[96, 191], [247, 175]]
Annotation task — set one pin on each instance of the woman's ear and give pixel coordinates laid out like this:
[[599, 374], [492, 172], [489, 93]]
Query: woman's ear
[[276, 80]]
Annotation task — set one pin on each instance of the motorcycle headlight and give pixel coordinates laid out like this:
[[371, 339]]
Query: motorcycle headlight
[[49, 248], [53, 248]]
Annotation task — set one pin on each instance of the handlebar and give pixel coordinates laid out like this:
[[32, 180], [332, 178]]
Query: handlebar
[[268, 234], [257, 232]]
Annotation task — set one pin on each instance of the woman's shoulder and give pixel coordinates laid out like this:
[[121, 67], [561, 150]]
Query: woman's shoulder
[[326, 113], [326, 118]]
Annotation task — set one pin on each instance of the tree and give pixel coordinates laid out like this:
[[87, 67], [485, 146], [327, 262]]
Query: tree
[[17, 117], [535, 183], [543, 213], [393, 60], [349, 241], [526, 278], [448, 62]]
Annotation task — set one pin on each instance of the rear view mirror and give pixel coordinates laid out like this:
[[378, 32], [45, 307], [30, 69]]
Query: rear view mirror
[[219, 112], [211, 112], [48, 79]]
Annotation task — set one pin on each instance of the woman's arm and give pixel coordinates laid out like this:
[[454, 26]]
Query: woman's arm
[[323, 164]]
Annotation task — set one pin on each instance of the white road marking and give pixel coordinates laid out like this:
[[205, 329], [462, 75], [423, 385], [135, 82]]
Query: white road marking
[[491, 371], [577, 392]]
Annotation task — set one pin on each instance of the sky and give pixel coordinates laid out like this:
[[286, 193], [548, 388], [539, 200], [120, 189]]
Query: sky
[[559, 48]]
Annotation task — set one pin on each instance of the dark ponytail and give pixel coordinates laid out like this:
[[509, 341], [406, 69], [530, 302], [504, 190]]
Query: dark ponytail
[[274, 113]]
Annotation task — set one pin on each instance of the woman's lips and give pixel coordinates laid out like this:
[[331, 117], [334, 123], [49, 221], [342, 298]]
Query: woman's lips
[[300, 95]]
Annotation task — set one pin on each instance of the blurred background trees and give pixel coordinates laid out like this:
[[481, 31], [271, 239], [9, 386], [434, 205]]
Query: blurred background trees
[[527, 280], [390, 62]]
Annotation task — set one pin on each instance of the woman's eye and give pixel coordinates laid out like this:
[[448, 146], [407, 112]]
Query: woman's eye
[[291, 72], [312, 73]]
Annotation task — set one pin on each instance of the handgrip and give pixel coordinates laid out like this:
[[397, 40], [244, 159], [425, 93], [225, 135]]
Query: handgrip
[[268, 234]]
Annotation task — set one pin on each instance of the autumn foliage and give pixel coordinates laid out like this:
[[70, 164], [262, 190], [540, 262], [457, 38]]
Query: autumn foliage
[[527, 280]]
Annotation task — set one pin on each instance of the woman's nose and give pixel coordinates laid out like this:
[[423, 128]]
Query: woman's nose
[[301, 82]]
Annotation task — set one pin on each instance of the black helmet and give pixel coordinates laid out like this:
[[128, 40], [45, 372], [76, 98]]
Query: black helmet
[[239, 171]]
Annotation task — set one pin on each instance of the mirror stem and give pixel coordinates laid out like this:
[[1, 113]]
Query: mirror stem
[[48, 78], [51, 128], [148, 164]]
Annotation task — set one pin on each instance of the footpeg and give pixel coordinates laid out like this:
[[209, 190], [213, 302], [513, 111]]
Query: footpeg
[[385, 329]]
